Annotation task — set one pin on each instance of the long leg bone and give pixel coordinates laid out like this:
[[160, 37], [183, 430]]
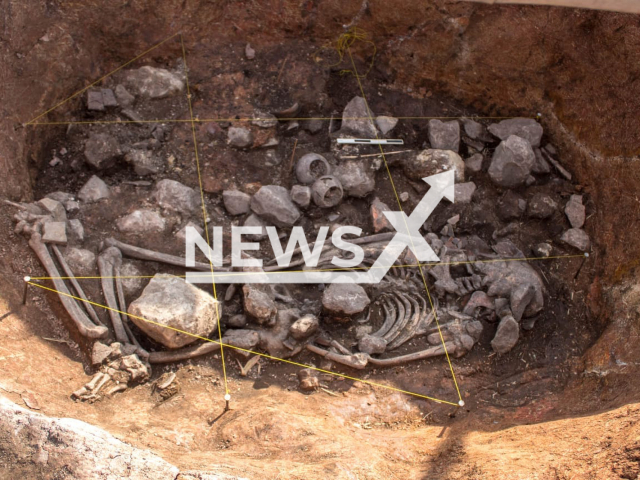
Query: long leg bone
[[412, 357], [184, 353], [144, 254], [67, 270], [83, 323], [358, 360], [106, 261]]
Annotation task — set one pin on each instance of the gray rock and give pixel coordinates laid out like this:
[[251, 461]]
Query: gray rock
[[242, 338], [94, 101], [345, 299], [249, 52], [404, 196], [171, 301], [108, 98], [429, 162], [521, 297], [476, 131], [301, 195], [175, 196], [141, 222], [478, 299], [575, 211], [274, 204], [386, 124], [76, 230], [144, 162], [236, 202], [264, 119], [239, 137], [463, 192], [541, 206], [254, 220], [356, 118], [132, 283], [304, 327], [237, 321], [94, 190], [511, 206], [181, 234], [506, 336], [314, 125], [153, 82], [357, 177], [82, 262], [512, 162], [474, 163], [372, 345], [576, 238], [101, 150], [542, 250], [53, 208], [125, 99], [444, 135], [540, 165], [80, 450], [62, 197], [55, 232], [259, 304], [526, 128], [99, 353]]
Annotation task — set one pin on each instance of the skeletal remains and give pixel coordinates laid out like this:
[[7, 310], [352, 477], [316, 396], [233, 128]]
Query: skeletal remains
[[470, 285]]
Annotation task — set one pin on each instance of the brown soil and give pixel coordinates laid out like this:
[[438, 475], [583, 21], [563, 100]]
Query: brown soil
[[562, 404]]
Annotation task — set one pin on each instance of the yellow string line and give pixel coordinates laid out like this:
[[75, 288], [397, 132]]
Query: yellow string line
[[100, 79], [424, 280], [204, 210], [252, 119], [412, 265], [244, 349]]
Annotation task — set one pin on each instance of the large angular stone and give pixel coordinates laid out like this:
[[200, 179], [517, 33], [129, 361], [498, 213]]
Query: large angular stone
[[94, 190], [463, 192], [236, 202], [153, 82], [429, 162], [576, 238], [345, 299], [239, 137], [53, 208], [476, 131], [82, 262], [304, 327], [357, 177], [526, 128], [55, 232], [34, 444], [144, 162], [372, 345], [273, 203], [259, 304], [541, 206], [170, 301], [141, 222], [125, 99], [356, 119], [506, 336], [301, 195], [386, 124], [512, 162], [444, 135], [175, 196], [575, 211], [101, 150]]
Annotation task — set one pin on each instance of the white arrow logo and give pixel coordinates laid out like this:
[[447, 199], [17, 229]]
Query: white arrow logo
[[407, 236]]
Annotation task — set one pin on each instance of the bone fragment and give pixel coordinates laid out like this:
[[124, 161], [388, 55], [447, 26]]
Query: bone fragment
[[106, 262]]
